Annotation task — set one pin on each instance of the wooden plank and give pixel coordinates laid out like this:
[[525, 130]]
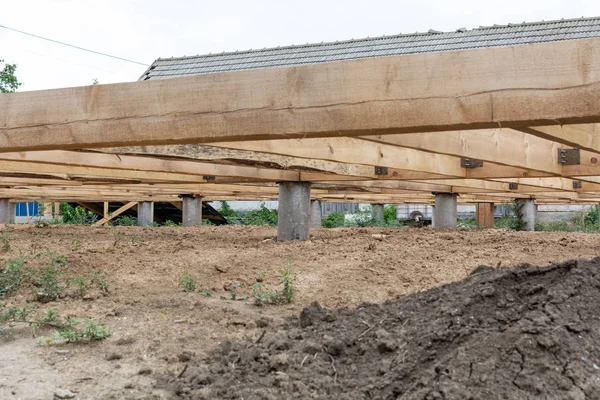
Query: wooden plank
[[501, 146], [481, 88], [116, 213], [583, 136], [306, 165], [357, 151], [139, 163], [484, 213]]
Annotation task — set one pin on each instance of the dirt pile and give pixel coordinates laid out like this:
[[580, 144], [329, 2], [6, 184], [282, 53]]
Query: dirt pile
[[518, 333]]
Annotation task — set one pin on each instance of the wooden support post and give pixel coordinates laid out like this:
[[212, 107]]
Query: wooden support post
[[56, 211], [106, 208], [485, 215], [116, 213], [47, 209]]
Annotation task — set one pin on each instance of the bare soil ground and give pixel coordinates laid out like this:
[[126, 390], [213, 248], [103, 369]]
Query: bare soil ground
[[158, 329]]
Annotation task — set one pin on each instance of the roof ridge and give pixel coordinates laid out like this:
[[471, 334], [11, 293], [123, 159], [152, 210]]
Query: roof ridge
[[431, 32]]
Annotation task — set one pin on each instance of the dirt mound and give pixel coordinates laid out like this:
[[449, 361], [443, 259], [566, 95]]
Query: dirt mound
[[518, 333]]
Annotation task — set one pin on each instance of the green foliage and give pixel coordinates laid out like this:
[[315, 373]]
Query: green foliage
[[125, 220], [229, 213], [515, 220], [69, 332], [12, 274], [263, 296], [468, 223], [187, 282], [334, 220], [76, 215], [8, 80], [262, 216], [389, 214], [591, 219], [207, 222], [171, 223]]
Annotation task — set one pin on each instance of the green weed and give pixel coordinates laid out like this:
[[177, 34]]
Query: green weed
[[263, 296], [187, 282]]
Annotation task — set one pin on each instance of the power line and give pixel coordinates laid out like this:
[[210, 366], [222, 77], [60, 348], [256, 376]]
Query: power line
[[70, 45]]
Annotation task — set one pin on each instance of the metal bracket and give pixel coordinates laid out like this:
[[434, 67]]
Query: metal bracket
[[381, 171], [469, 163], [569, 156], [209, 177], [576, 184], [513, 186]]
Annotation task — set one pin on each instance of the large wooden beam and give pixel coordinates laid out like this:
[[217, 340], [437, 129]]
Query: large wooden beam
[[481, 88]]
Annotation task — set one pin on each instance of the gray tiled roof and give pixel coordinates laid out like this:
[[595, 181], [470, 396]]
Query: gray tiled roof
[[485, 36]]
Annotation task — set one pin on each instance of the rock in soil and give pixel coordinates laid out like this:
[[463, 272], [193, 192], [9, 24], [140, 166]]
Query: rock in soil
[[515, 333], [63, 394]]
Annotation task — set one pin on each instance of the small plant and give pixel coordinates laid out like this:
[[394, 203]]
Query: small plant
[[66, 331], [75, 244], [283, 296], [187, 282], [233, 291], [49, 286], [82, 284], [205, 292], [132, 237], [4, 243], [69, 333], [12, 274], [99, 279], [118, 237]]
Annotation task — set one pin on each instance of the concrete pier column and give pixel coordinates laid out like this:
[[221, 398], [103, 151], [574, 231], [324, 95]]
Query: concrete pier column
[[191, 211], [7, 212], [294, 211], [484, 215], [316, 214], [145, 213], [433, 216], [377, 213], [529, 211], [444, 212]]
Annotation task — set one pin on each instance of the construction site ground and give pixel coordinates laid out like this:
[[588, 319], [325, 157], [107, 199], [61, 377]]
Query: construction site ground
[[163, 337]]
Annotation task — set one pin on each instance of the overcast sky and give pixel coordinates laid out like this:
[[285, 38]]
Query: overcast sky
[[145, 30]]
